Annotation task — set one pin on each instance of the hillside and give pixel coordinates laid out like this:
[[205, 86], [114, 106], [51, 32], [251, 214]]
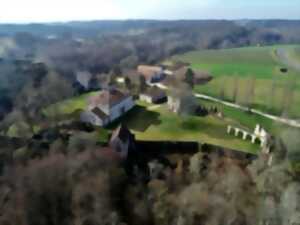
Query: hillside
[[259, 77]]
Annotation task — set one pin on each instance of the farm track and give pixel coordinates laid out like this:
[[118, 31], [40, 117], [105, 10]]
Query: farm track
[[285, 58]]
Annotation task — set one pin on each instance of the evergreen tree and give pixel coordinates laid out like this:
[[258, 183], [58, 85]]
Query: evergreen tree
[[189, 77], [142, 84], [128, 83]]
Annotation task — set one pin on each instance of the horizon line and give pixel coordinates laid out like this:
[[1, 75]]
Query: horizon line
[[141, 19]]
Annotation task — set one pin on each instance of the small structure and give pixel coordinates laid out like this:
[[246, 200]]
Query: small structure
[[174, 104], [152, 74], [264, 137], [259, 134], [153, 95], [182, 102], [168, 72], [106, 107], [122, 141], [83, 78]]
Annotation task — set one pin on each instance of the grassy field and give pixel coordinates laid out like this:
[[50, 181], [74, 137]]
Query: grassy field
[[295, 53], [157, 123], [239, 67]]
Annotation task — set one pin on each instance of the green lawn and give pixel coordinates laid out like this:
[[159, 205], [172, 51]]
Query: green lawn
[[297, 53], [69, 106], [160, 124], [243, 65]]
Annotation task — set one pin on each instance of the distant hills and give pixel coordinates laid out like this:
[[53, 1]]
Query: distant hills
[[94, 28]]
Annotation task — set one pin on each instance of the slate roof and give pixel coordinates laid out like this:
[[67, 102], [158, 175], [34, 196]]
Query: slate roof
[[100, 113], [154, 92], [108, 97]]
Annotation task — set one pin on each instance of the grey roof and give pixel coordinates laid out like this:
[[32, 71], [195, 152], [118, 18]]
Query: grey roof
[[100, 113], [108, 97], [121, 132]]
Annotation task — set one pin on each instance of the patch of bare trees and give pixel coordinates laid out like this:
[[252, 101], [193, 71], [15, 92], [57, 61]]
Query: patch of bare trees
[[60, 190]]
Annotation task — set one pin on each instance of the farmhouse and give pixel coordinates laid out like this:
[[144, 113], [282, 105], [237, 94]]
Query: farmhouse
[[152, 74], [106, 107], [153, 95]]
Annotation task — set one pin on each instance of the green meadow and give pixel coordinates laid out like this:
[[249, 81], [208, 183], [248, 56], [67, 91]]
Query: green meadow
[[251, 76]]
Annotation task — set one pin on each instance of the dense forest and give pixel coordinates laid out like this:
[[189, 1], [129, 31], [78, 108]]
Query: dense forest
[[75, 181]]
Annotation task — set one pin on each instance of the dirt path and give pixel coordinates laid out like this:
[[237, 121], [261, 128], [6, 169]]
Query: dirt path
[[284, 57]]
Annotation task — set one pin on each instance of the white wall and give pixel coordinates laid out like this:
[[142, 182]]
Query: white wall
[[174, 104], [145, 98]]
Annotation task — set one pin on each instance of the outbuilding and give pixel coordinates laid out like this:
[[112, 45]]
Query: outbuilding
[[154, 95]]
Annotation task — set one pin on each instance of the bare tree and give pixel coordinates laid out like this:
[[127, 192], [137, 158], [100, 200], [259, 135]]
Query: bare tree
[[235, 89], [250, 95], [273, 92], [142, 84], [288, 96]]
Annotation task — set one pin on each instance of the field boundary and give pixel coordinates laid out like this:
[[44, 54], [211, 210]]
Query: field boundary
[[290, 122]]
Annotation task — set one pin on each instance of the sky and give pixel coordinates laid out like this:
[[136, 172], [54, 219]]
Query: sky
[[25, 11]]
